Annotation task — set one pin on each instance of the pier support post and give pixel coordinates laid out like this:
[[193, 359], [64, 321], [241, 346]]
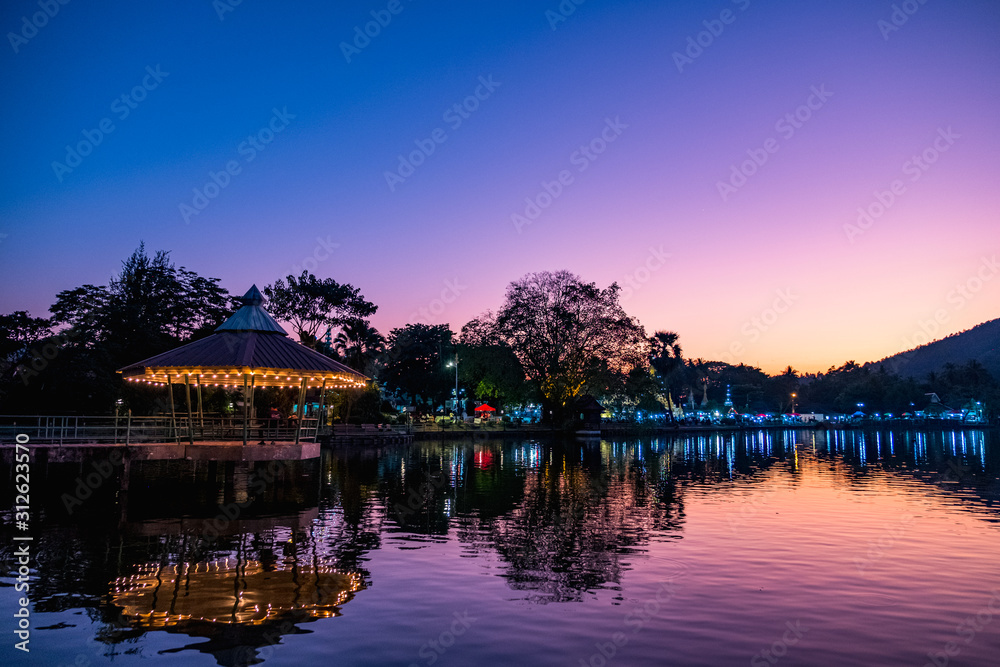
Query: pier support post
[[322, 408], [301, 411], [187, 394]]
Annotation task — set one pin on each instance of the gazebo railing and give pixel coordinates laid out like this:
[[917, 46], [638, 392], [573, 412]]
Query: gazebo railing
[[81, 429]]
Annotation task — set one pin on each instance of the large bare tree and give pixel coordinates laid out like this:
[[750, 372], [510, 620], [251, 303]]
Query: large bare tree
[[569, 335]]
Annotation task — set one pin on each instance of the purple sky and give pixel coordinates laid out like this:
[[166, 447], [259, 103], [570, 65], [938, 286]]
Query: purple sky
[[770, 269]]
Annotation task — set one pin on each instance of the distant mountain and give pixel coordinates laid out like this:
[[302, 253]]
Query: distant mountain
[[981, 343]]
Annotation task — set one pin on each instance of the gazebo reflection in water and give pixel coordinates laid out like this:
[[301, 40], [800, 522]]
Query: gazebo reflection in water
[[230, 591], [238, 603]]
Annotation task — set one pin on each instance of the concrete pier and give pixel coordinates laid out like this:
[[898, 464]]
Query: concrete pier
[[169, 451]]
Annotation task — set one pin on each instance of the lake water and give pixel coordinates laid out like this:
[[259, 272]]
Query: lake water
[[783, 547]]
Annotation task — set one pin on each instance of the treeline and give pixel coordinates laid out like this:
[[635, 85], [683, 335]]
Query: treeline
[[555, 339]]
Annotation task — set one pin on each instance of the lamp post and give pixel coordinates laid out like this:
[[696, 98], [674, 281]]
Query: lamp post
[[793, 404], [455, 364]]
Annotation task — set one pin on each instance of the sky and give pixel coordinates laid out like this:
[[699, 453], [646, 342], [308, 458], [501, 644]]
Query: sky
[[781, 183]]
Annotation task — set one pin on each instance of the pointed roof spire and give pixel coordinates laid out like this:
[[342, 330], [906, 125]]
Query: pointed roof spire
[[252, 316], [253, 297]]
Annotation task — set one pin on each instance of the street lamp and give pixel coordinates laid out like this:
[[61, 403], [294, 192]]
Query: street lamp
[[793, 404], [455, 364]]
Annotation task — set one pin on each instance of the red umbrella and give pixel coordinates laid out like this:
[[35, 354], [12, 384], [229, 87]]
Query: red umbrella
[[485, 408]]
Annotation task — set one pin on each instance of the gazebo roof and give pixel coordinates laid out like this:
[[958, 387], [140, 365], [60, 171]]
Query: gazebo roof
[[252, 316], [587, 402], [251, 343]]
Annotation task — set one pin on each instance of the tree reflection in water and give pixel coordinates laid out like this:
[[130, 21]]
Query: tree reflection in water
[[563, 519], [575, 525]]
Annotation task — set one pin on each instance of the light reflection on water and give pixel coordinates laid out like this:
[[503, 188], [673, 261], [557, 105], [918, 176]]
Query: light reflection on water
[[839, 547]]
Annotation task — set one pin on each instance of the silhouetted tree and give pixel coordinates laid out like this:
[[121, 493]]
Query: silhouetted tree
[[146, 309], [309, 304], [360, 345], [415, 362], [493, 372], [567, 334]]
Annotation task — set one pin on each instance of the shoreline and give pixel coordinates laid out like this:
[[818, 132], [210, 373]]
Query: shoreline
[[658, 430]]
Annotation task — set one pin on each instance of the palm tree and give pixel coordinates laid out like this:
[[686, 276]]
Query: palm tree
[[665, 354], [359, 344], [666, 358]]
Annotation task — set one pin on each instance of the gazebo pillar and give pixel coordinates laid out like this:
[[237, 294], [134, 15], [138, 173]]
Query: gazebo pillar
[[301, 411], [246, 409], [187, 394], [173, 416], [201, 412], [253, 397]]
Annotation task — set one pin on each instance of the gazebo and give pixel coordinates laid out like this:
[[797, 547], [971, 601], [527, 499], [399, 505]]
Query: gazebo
[[248, 350]]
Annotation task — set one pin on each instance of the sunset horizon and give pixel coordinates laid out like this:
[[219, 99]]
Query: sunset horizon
[[842, 173]]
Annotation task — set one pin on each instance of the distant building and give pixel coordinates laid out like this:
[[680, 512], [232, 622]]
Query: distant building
[[587, 415]]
